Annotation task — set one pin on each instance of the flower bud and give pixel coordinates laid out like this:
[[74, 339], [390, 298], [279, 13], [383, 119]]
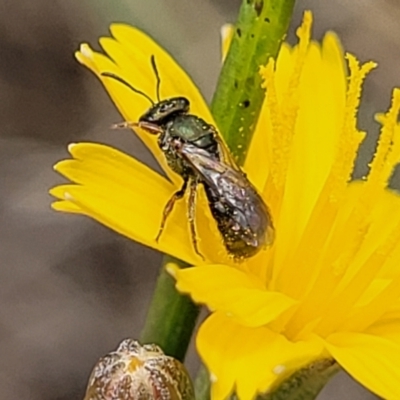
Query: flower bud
[[135, 372]]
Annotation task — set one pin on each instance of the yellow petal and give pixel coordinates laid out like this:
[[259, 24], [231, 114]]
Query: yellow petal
[[371, 360], [63, 205], [388, 328], [227, 31], [130, 198], [129, 54], [351, 282], [232, 291], [174, 80], [125, 195], [249, 359], [259, 155], [355, 257], [322, 92], [385, 293]]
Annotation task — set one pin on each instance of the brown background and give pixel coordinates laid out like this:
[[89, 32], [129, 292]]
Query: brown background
[[70, 289]]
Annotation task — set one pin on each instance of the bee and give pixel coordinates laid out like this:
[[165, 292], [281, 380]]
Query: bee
[[194, 149]]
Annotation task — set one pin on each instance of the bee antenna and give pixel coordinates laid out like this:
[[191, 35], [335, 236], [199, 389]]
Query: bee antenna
[[124, 82], [153, 64]]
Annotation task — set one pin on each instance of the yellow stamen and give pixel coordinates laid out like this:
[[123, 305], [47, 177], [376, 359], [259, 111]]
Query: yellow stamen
[[327, 250], [351, 138], [352, 287], [388, 152], [285, 119]]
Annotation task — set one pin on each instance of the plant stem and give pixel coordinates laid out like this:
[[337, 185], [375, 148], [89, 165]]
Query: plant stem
[[171, 317], [202, 384], [304, 384], [259, 32]]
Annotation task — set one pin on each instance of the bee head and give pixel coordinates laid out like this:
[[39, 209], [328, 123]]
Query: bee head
[[166, 109]]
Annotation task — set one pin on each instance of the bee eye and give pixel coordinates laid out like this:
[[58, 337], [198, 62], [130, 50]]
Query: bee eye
[[165, 107]]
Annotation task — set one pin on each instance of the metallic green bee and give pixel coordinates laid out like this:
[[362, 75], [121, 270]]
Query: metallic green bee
[[194, 150]]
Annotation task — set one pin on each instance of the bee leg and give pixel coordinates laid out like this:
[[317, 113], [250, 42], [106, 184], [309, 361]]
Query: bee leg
[[170, 205], [192, 214]]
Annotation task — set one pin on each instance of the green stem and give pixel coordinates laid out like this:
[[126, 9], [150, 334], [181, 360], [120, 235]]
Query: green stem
[[304, 384], [202, 384], [171, 317], [259, 32]]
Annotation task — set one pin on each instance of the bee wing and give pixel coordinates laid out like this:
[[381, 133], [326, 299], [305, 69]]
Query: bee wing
[[227, 155], [213, 171], [233, 189]]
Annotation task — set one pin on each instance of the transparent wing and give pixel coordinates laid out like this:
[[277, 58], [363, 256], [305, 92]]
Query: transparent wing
[[233, 190], [226, 155], [221, 177]]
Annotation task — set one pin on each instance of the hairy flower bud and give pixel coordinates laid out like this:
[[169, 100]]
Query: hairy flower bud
[[135, 372]]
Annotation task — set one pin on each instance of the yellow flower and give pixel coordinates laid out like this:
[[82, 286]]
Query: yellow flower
[[330, 284], [336, 254]]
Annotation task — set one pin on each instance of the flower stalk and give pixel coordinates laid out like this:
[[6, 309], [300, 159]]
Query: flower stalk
[[171, 316], [260, 29], [304, 384]]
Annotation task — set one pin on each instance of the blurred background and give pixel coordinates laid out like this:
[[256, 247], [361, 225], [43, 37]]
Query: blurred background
[[70, 289]]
